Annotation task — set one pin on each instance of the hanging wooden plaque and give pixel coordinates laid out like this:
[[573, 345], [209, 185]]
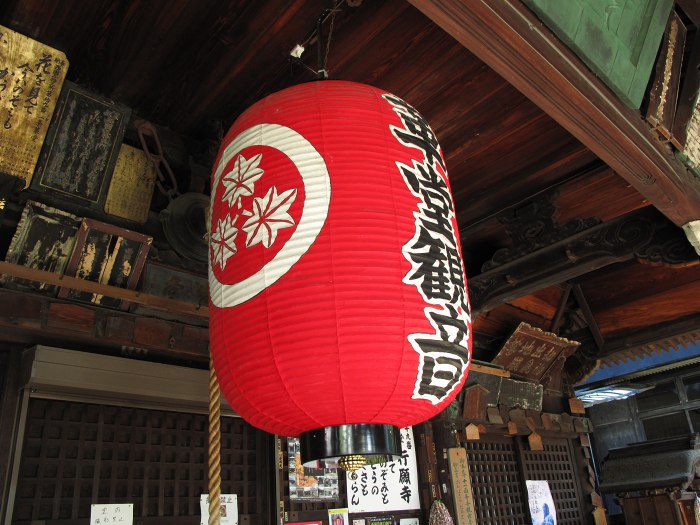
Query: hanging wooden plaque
[[535, 442], [31, 76], [109, 255], [44, 240], [131, 187], [81, 147], [576, 406], [530, 352], [663, 94], [474, 406], [465, 512], [471, 432]]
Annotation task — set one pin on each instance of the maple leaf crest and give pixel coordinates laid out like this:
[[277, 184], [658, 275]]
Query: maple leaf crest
[[240, 181], [270, 214], [223, 241]]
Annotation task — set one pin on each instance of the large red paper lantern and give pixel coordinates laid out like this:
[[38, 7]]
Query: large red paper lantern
[[339, 307]]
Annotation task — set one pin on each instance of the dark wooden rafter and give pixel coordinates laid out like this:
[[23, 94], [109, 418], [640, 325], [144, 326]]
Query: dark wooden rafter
[[510, 39], [588, 315], [644, 234], [561, 308]]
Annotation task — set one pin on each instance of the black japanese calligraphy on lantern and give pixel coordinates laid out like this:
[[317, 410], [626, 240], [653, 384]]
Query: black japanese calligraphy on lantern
[[436, 263]]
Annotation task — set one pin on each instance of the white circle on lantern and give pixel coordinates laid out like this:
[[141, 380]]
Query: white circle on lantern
[[317, 187]]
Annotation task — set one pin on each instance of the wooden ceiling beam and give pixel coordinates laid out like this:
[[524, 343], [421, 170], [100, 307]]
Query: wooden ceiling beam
[[154, 301], [510, 39], [27, 318], [588, 315]]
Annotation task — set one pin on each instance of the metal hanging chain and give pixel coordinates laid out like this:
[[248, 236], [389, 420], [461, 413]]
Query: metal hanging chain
[[334, 11], [214, 454], [145, 130]]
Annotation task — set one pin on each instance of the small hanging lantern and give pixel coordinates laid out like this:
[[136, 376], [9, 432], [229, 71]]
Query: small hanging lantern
[[339, 307]]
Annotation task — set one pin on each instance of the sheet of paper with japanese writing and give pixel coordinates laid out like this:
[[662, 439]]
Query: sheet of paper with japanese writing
[[31, 76], [541, 503], [112, 514], [228, 511], [387, 486]]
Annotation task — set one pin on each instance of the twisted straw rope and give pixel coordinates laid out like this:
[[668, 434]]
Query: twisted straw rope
[[214, 447]]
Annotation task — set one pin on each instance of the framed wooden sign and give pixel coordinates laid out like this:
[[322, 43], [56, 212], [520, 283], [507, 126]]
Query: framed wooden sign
[[31, 76], [44, 240], [530, 352], [81, 148], [109, 255], [131, 188]]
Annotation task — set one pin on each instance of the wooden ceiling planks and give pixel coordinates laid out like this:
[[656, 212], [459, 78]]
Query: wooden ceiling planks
[[542, 303], [598, 193], [637, 281], [657, 310]]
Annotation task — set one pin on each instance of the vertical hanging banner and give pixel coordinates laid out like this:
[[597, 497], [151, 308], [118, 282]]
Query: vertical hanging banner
[[541, 503], [387, 486], [465, 513]]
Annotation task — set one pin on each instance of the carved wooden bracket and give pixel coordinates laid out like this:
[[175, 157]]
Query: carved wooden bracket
[[532, 227], [644, 234]]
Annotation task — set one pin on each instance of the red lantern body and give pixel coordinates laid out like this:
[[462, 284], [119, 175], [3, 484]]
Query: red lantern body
[[336, 283]]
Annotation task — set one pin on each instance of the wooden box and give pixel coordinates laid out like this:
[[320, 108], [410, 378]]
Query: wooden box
[[31, 76]]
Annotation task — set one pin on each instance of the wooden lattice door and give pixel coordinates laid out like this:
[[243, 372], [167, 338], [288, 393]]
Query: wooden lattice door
[[496, 483], [556, 464], [75, 454], [499, 466]]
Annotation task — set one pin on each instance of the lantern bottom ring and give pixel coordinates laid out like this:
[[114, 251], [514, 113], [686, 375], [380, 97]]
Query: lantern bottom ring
[[350, 440]]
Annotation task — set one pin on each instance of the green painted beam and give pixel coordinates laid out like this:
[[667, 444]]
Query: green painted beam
[[617, 39]]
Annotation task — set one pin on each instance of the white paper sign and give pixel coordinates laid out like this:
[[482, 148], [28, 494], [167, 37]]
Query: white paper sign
[[229, 509], [542, 508], [387, 486], [112, 514]]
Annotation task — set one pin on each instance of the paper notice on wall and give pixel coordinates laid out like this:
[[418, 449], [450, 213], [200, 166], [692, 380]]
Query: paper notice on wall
[[228, 509], [388, 486], [541, 503], [112, 513]]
